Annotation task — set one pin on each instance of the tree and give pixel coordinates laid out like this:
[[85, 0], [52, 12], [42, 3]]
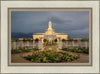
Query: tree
[[24, 41], [76, 42], [44, 40], [12, 40], [63, 40], [28, 42], [28, 39], [36, 40], [55, 40], [86, 42], [70, 41]]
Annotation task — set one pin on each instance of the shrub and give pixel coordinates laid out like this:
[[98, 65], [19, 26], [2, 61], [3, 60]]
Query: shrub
[[55, 40], [26, 50], [16, 51], [35, 48], [23, 50], [44, 40]]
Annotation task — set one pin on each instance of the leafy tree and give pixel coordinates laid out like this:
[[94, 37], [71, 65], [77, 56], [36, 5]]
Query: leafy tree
[[28, 39], [75, 40], [44, 40], [12, 40], [55, 40], [24, 40], [83, 40], [36, 40], [16, 40], [70, 40], [63, 40]]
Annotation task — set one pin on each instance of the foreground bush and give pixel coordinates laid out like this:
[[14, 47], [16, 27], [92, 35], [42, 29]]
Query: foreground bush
[[50, 57]]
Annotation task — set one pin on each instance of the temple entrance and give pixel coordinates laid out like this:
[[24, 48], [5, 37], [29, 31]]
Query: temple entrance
[[50, 41]]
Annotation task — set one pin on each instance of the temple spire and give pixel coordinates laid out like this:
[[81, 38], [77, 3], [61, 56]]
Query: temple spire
[[50, 23]]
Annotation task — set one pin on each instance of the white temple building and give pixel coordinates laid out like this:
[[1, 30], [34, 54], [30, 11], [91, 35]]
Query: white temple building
[[50, 34]]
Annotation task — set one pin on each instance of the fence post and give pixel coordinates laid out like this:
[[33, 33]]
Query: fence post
[[33, 43], [40, 45], [27, 44], [60, 45], [15, 45], [73, 43]]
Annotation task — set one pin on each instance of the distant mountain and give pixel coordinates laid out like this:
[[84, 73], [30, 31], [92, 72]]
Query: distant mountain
[[15, 35]]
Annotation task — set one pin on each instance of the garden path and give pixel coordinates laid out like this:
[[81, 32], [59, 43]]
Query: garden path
[[18, 58]]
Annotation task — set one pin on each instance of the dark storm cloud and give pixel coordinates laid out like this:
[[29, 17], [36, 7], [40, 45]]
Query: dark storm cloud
[[74, 23]]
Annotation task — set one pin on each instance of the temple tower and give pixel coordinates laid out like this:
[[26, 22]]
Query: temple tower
[[50, 31], [50, 23]]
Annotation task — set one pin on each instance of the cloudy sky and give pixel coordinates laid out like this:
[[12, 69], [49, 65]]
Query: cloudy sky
[[74, 23]]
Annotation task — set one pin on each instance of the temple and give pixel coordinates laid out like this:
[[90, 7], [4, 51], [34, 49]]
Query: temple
[[50, 34]]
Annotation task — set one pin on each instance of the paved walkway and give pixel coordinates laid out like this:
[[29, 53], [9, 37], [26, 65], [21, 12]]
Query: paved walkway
[[18, 58], [50, 47]]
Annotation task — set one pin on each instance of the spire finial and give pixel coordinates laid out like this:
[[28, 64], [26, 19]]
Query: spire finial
[[50, 23], [49, 18]]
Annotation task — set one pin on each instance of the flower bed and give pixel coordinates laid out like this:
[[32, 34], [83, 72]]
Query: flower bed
[[77, 50], [16, 51], [23, 50], [50, 57]]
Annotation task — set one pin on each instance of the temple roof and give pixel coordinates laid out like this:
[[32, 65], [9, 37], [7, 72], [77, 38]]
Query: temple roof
[[55, 33]]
